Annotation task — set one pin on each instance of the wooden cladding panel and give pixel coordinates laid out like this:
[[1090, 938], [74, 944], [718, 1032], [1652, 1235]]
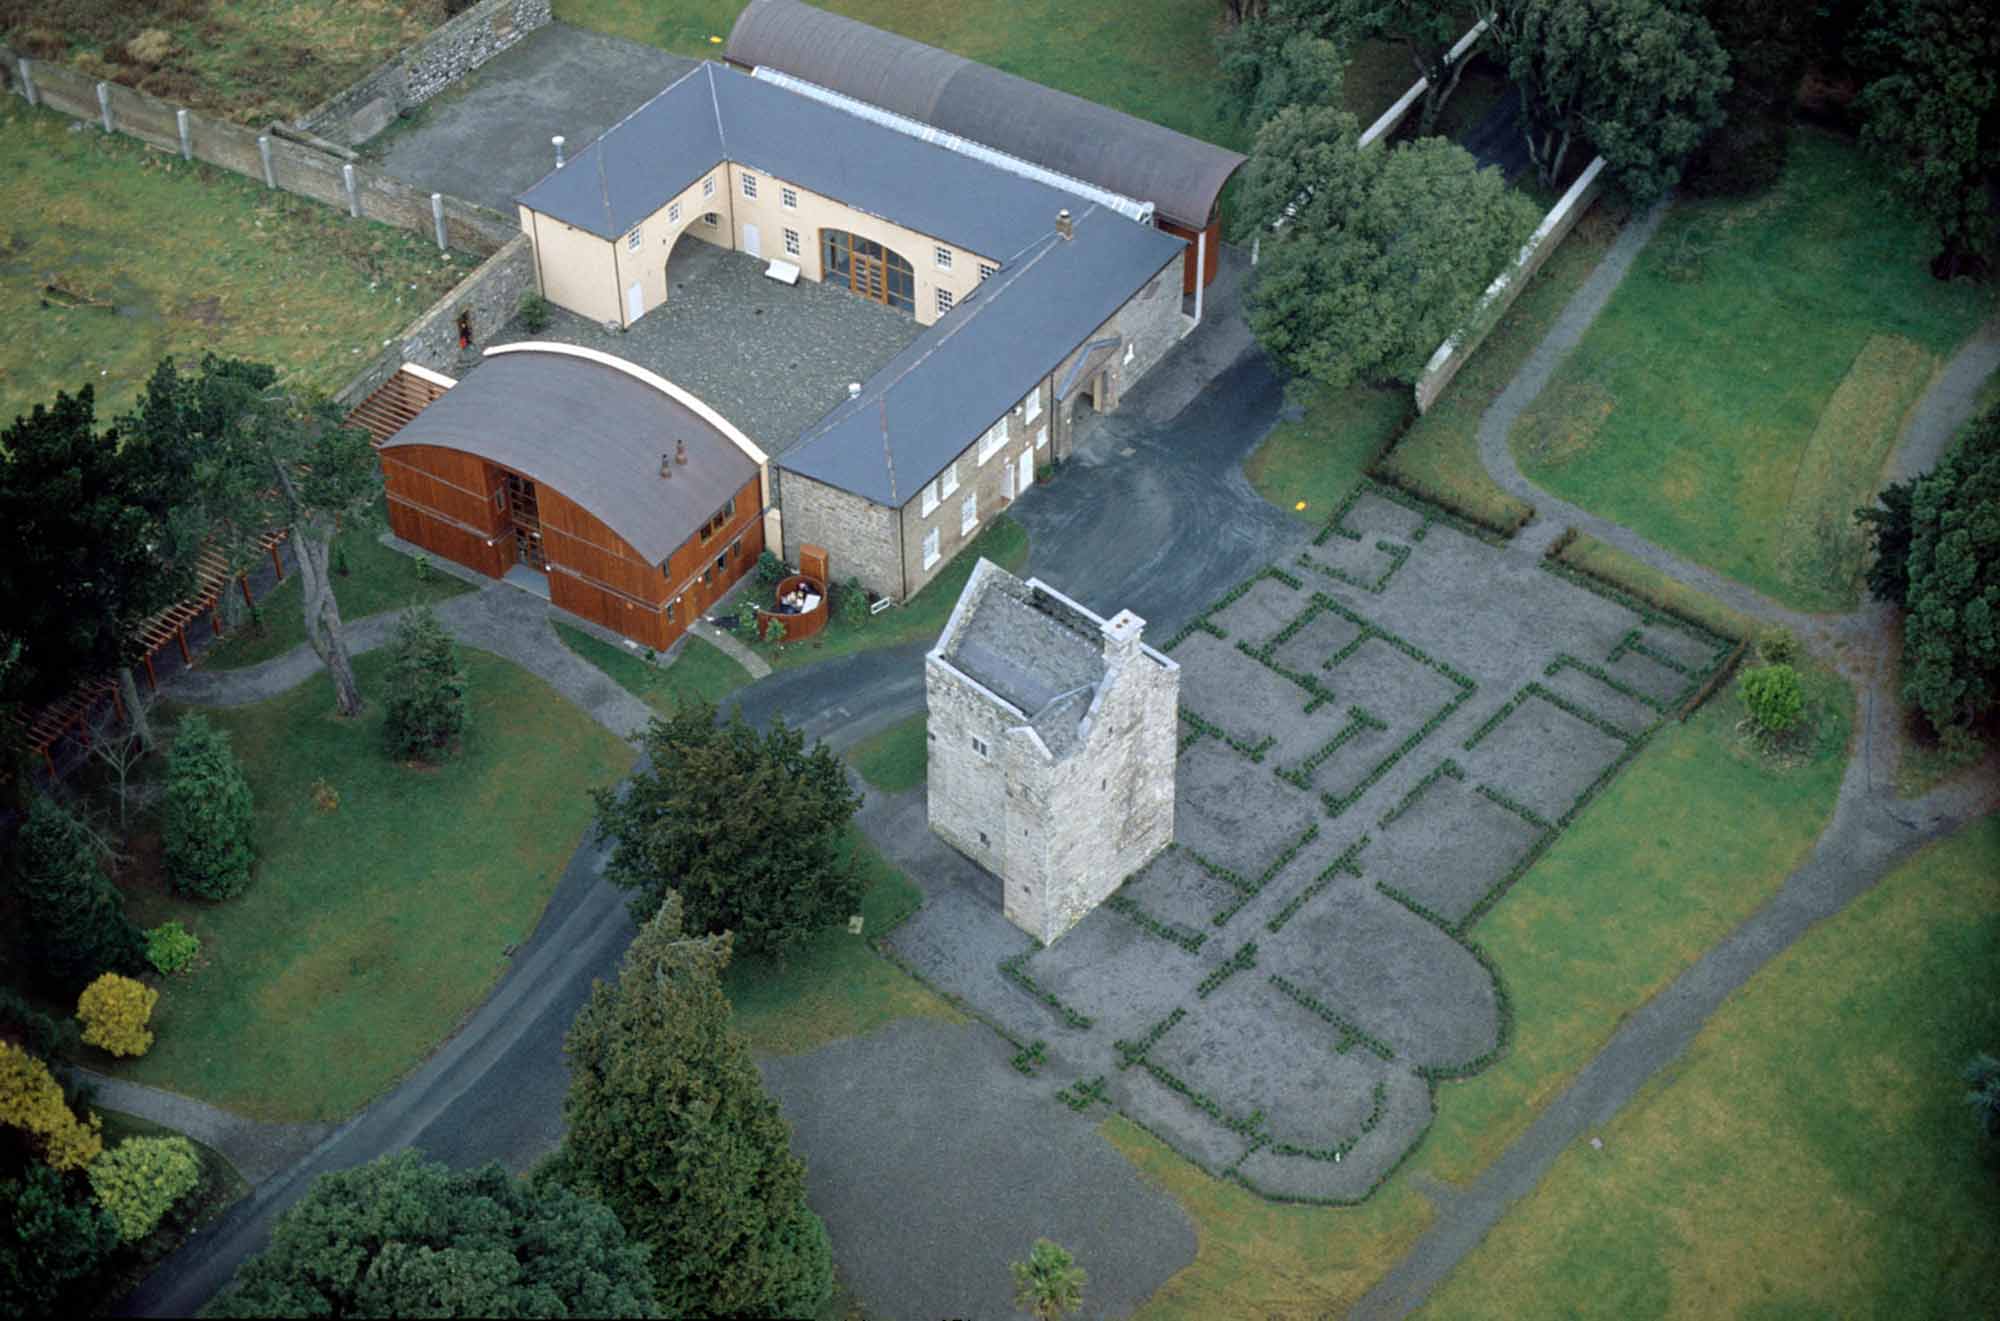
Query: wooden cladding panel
[[641, 623], [455, 543], [695, 554], [456, 485], [576, 539]]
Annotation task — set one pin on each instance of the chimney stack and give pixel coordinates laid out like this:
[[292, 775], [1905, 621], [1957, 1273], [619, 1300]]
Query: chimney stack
[[854, 389], [558, 141], [680, 451], [1063, 225], [667, 466]]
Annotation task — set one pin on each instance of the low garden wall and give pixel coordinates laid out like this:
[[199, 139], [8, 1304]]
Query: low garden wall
[[419, 73], [1392, 118], [280, 161], [1506, 287]]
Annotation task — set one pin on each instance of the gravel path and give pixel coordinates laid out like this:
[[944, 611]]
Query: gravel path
[[1871, 830], [257, 1150]]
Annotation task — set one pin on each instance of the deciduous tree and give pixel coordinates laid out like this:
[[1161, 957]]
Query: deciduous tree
[[670, 1126], [210, 814], [403, 1236], [1425, 29], [747, 827], [32, 1101], [1641, 80], [139, 1181], [1951, 638]]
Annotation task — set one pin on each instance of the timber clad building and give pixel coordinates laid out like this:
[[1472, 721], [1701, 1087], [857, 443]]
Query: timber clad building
[[1042, 244]]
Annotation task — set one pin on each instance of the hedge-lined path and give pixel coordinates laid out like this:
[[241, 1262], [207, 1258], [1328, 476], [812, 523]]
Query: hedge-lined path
[[1870, 833]]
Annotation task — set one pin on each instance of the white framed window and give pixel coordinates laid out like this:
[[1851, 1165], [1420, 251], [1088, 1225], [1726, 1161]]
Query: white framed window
[[712, 219], [968, 515], [995, 437], [674, 213], [944, 301], [791, 243], [708, 186], [749, 184], [943, 258], [633, 240], [930, 548], [788, 198], [979, 746], [1041, 438], [930, 498], [986, 268], [1034, 406], [949, 481]]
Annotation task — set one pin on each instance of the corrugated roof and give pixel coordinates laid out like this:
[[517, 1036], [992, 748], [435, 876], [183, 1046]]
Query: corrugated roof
[[593, 433], [1180, 175], [951, 383]]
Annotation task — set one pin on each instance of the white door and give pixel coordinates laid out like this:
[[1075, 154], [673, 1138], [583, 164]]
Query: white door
[[635, 303], [1027, 470], [1007, 479], [751, 243]]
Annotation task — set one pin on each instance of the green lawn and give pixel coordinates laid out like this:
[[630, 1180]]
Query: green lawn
[[182, 259], [1004, 542], [700, 672], [247, 60], [370, 931], [836, 985], [1440, 452], [378, 579], [1810, 1155], [1316, 458], [1738, 397], [895, 759], [1686, 843]]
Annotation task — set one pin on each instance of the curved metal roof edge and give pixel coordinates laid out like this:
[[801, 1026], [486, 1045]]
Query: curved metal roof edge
[[666, 387]]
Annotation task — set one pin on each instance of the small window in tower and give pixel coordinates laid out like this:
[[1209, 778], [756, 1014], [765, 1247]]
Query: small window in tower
[[985, 842], [979, 746]]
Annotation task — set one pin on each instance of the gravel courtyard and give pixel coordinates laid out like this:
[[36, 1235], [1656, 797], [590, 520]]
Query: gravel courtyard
[[1379, 734]]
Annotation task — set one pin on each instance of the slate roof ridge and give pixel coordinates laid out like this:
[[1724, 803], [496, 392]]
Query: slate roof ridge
[[595, 144], [715, 103]]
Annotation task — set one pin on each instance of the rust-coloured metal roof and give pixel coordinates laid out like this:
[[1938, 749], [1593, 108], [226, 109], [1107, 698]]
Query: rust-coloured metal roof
[[1181, 176]]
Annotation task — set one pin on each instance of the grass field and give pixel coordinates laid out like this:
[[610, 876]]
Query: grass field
[[182, 259], [1810, 1155], [378, 579], [1738, 396], [248, 60], [699, 673], [370, 931], [895, 759], [1695, 835], [1316, 458]]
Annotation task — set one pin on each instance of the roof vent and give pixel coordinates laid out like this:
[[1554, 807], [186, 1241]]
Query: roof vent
[[854, 389], [1063, 225], [667, 466], [558, 141]]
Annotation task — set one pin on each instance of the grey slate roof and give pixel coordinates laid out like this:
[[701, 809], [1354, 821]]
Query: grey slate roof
[[594, 434], [954, 381], [1028, 656], [1180, 175]]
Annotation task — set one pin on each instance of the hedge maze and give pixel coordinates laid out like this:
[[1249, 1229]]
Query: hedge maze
[[1379, 737]]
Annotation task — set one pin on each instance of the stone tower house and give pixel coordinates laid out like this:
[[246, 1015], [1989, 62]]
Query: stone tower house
[[1052, 746]]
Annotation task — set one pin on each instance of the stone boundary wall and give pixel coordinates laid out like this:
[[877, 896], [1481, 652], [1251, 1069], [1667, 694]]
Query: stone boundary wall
[[415, 75], [1506, 287], [491, 295], [294, 166]]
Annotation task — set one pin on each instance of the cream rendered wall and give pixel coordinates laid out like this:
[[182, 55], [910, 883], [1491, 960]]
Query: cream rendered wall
[[573, 268]]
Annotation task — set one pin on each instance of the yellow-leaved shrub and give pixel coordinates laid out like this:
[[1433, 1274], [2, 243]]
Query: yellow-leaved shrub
[[139, 1181], [114, 1011], [31, 1099]]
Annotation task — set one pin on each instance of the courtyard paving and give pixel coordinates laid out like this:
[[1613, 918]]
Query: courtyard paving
[[771, 358], [1380, 732]]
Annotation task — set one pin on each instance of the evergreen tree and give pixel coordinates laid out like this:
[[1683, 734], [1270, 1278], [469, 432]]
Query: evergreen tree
[[209, 814], [1951, 639], [670, 1126], [76, 917], [402, 1236], [426, 703], [51, 1245]]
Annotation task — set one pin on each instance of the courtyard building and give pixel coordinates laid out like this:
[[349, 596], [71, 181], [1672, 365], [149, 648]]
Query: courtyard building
[[1052, 742]]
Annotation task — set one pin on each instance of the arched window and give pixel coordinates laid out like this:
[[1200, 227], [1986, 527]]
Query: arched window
[[868, 268]]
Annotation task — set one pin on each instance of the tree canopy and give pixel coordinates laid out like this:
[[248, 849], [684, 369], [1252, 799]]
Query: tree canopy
[[403, 1236], [669, 1125], [52, 1244], [746, 827], [1951, 638], [1642, 80], [75, 917]]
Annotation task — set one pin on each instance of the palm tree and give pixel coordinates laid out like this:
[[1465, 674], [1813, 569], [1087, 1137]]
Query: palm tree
[[1983, 1095], [1049, 1284]]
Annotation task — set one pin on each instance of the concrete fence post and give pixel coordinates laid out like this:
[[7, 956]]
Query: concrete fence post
[[437, 219], [183, 122], [353, 192], [104, 106], [264, 154], [28, 88]]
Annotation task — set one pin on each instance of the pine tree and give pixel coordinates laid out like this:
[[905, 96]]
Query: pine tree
[[670, 1126], [210, 814], [426, 706], [76, 917]]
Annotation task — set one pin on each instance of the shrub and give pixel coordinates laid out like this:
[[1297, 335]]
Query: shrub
[[534, 313], [775, 635], [209, 814], [75, 917], [1773, 697], [114, 1011], [769, 569], [426, 704], [31, 1100], [325, 797], [746, 617], [853, 601], [139, 1180], [171, 947], [1778, 646]]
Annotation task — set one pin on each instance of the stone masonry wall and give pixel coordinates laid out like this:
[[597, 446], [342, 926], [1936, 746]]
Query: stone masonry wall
[[419, 73], [859, 535], [491, 295]]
